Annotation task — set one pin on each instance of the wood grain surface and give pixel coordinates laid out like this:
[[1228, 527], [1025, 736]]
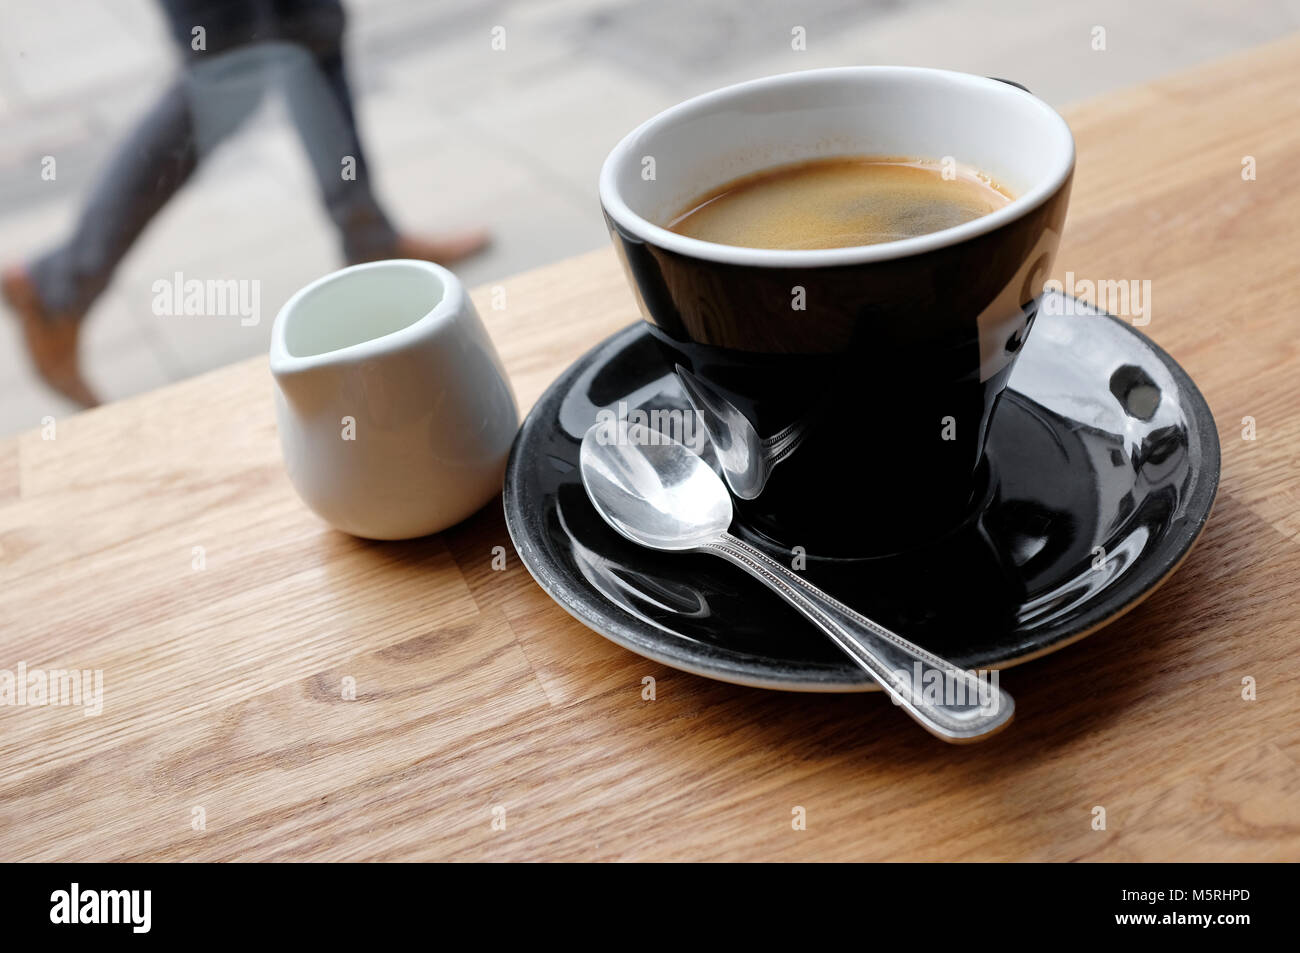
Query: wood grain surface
[[476, 694]]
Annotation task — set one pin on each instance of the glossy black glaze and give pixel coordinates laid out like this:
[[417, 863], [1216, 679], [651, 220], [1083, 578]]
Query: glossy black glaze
[[1101, 440], [909, 354]]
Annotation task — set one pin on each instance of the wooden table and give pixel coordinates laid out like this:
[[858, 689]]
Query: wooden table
[[225, 733]]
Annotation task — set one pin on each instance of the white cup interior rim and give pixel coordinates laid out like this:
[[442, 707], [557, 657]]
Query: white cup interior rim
[[1057, 138], [439, 306]]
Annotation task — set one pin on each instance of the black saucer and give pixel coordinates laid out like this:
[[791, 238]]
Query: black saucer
[[1103, 462]]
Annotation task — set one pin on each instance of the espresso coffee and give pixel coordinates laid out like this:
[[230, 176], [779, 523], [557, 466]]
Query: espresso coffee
[[840, 202]]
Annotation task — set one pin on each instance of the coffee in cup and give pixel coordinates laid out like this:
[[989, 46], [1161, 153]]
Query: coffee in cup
[[840, 202]]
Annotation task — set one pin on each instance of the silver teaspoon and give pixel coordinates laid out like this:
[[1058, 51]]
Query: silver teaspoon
[[659, 494]]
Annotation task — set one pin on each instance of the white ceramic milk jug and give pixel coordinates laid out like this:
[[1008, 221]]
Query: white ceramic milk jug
[[394, 411]]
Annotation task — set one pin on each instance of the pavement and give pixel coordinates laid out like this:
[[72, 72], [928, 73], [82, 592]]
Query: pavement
[[462, 132]]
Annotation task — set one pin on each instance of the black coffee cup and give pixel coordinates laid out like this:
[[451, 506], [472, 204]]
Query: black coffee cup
[[884, 362]]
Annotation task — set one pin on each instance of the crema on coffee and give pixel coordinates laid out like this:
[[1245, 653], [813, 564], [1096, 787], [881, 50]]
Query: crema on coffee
[[840, 202]]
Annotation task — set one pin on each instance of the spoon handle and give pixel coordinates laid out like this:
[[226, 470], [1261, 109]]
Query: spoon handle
[[966, 709]]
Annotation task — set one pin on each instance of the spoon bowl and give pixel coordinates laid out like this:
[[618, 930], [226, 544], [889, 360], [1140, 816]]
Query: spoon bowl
[[652, 489]]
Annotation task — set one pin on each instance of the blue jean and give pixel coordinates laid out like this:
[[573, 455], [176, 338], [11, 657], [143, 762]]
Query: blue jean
[[250, 46]]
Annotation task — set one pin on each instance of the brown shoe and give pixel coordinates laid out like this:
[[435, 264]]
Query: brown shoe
[[444, 250], [51, 341]]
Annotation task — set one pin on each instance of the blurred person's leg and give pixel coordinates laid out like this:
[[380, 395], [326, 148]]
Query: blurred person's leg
[[204, 106], [223, 83], [321, 103], [52, 295], [149, 165]]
